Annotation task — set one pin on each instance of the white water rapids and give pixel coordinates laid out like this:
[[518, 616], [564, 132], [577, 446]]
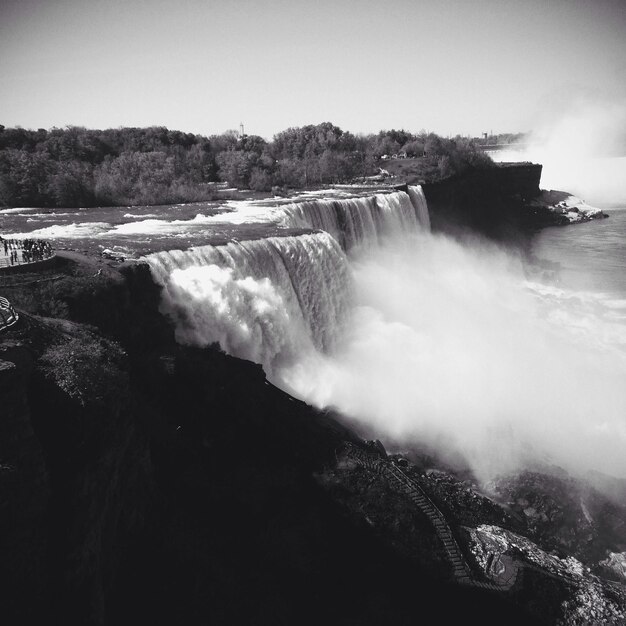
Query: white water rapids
[[415, 337]]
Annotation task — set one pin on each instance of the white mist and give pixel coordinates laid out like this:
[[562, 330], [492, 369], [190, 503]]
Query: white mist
[[583, 152], [450, 346]]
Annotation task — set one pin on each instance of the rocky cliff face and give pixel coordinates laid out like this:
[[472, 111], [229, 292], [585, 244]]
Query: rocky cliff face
[[76, 469], [493, 201], [24, 491]]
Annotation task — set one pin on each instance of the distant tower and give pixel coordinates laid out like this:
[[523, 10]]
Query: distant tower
[[241, 135]]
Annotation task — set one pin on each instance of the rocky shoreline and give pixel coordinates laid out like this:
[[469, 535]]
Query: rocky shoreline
[[561, 208]]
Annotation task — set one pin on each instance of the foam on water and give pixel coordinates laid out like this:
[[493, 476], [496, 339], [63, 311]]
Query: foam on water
[[74, 230], [104, 230], [19, 210]]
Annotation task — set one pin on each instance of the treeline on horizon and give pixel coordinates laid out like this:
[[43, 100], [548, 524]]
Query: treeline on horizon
[[75, 166]]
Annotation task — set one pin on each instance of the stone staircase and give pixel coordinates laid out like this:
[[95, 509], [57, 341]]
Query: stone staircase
[[402, 483]]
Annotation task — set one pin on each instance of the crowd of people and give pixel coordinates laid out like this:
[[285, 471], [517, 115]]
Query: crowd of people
[[17, 251]]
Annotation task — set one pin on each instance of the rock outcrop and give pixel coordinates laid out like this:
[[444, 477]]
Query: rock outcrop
[[24, 493], [452, 528], [75, 469], [503, 203], [558, 208], [491, 201]]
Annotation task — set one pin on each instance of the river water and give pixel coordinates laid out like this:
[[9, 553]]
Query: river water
[[587, 258], [590, 256]]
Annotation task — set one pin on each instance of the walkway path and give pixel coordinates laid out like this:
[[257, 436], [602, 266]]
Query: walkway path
[[5, 259], [8, 315], [504, 571]]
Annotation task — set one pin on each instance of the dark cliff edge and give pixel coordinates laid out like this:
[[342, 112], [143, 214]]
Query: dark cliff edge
[[495, 202], [146, 482]]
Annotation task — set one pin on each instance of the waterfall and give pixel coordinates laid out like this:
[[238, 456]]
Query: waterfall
[[361, 221], [263, 300], [271, 300], [416, 194]]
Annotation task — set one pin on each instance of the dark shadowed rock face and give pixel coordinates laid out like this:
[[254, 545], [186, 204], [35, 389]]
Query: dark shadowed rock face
[[494, 202], [74, 453], [174, 492], [24, 492], [449, 527], [566, 515]]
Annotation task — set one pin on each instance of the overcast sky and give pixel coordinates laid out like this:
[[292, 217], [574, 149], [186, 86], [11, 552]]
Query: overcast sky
[[204, 66]]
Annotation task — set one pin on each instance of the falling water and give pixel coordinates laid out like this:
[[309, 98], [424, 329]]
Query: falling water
[[262, 300]]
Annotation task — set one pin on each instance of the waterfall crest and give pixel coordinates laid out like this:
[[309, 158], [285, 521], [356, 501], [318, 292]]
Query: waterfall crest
[[361, 221]]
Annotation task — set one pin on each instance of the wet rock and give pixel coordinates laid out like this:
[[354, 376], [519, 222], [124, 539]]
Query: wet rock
[[564, 513], [564, 208], [616, 563], [590, 599]]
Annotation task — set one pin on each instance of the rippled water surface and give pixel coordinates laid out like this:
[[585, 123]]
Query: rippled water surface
[[589, 256]]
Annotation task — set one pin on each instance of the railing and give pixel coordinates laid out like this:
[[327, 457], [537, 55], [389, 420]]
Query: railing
[[437, 518], [460, 567], [8, 315], [14, 252]]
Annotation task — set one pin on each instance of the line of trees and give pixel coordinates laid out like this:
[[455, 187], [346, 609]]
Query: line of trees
[[75, 166]]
